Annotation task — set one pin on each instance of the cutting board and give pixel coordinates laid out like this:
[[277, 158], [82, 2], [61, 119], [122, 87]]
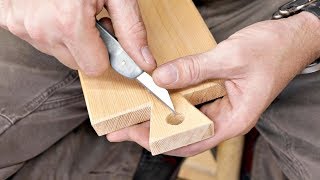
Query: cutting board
[[175, 29]]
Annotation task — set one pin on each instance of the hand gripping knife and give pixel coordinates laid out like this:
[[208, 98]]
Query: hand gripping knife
[[124, 65]]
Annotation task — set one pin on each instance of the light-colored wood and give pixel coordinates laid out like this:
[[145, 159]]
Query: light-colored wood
[[199, 167], [165, 137], [175, 29], [229, 155], [226, 165]]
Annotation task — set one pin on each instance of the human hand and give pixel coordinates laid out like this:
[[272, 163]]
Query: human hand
[[67, 30], [256, 63]]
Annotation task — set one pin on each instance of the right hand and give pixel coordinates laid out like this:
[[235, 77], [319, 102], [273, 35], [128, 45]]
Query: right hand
[[257, 63], [67, 31]]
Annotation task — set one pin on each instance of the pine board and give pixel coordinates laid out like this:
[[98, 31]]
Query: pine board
[[175, 29]]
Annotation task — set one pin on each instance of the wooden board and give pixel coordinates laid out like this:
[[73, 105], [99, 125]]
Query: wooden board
[[225, 165], [202, 166], [175, 29]]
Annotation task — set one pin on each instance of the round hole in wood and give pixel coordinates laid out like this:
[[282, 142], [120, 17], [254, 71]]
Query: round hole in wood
[[175, 119]]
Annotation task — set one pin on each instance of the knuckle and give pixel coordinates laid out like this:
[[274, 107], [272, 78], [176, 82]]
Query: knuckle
[[12, 27], [34, 30], [138, 29], [15, 28], [3, 12], [66, 26], [68, 13], [192, 66], [69, 8]]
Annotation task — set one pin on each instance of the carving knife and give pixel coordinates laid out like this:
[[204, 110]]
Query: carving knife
[[124, 65]]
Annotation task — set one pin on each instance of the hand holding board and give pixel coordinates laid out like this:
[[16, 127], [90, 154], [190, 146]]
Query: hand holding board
[[175, 29]]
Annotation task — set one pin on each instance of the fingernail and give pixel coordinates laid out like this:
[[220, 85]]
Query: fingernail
[[167, 74], [148, 58]]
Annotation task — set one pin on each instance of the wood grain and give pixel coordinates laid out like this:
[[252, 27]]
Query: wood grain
[[200, 167], [175, 29], [229, 155], [225, 165]]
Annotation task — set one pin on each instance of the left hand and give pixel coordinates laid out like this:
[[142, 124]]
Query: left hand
[[257, 63]]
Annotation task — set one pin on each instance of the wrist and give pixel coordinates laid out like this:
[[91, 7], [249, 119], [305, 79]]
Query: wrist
[[315, 29], [312, 33], [305, 28]]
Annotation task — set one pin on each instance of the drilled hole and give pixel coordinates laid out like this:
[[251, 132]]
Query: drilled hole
[[175, 119]]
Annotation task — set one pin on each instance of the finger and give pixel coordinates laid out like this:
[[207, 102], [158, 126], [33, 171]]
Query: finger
[[119, 136], [106, 23], [233, 113], [140, 134], [4, 27], [197, 148], [137, 133], [191, 70], [219, 112], [63, 54], [228, 113], [3, 13], [130, 31], [211, 110], [183, 72], [231, 116], [60, 52], [16, 26], [84, 42]]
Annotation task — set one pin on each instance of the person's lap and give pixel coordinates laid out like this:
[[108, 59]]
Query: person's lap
[[41, 103], [82, 155], [291, 125]]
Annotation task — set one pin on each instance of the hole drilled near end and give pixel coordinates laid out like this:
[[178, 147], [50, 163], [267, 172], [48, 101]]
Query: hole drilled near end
[[175, 119]]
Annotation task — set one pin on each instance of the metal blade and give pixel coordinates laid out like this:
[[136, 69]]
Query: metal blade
[[162, 94]]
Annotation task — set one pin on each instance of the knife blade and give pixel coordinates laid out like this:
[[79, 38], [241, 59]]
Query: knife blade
[[122, 63]]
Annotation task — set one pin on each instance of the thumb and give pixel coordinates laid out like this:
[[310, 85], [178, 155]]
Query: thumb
[[191, 70], [130, 31]]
